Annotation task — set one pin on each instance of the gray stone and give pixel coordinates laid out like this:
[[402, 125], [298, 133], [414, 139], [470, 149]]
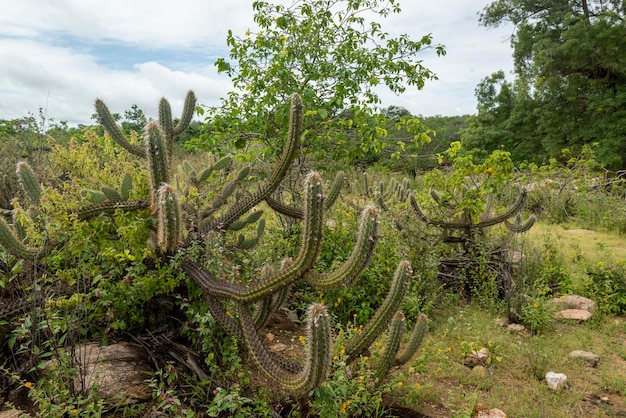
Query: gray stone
[[117, 370], [575, 302], [490, 413], [590, 358], [516, 328], [573, 314], [13, 413], [556, 381]]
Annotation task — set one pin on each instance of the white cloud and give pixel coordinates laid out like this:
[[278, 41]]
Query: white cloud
[[41, 65]]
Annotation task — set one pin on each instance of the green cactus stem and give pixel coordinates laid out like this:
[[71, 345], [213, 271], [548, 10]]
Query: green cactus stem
[[518, 226], [297, 212], [126, 186], [114, 131], [169, 225], [415, 341], [290, 150], [166, 123], [392, 344], [317, 357], [28, 182], [187, 115], [309, 251], [110, 207], [157, 158], [14, 246], [383, 314], [494, 220], [359, 258]]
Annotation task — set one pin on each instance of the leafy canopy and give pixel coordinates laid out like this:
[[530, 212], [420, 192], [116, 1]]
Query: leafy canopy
[[335, 55], [570, 86]]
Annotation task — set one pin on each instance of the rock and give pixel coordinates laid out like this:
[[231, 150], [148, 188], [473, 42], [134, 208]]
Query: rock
[[573, 314], [556, 381], [118, 370], [502, 322], [516, 328], [590, 358], [575, 302], [490, 413], [476, 358], [278, 347], [13, 413]]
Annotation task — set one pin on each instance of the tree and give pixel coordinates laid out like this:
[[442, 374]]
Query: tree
[[335, 55], [570, 87]]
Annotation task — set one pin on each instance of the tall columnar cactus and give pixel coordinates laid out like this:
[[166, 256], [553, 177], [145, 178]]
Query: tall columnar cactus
[[169, 225], [13, 245], [29, 183]]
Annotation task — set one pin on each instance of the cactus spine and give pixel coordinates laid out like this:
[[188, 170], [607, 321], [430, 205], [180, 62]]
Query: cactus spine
[[28, 182], [9, 241], [169, 226], [384, 313]]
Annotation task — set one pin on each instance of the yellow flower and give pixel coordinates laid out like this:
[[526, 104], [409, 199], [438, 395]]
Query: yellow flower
[[417, 385], [400, 383], [365, 358], [301, 339], [335, 357], [411, 370], [343, 410], [74, 411], [449, 349], [343, 351], [28, 384], [361, 377], [439, 350], [348, 402]]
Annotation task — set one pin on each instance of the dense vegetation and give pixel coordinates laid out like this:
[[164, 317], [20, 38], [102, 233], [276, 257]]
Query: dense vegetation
[[191, 236]]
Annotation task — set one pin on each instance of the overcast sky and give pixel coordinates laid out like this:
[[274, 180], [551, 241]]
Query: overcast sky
[[61, 55]]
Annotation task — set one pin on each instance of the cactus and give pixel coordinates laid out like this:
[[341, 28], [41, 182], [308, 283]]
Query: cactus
[[13, 245], [359, 258], [384, 313], [28, 182], [387, 360], [169, 226]]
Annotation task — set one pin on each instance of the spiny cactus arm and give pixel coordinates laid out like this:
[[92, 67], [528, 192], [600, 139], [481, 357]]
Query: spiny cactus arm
[[318, 351], [441, 224], [28, 182], [126, 186], [309, 251], [335, 189], [249, 243], [512, 211], [359, 259], [520, 227], [110, 207], [298, 213], [114, 131], [290, 150], [209, 284], [287, 210], [415, 341], [169, 222], [165, 120], [269, 305], [392, 344], [185, 119], [383, 314], [154, 141], [14, 246]]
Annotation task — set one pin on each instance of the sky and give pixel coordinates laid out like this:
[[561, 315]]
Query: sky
[[59, 56]]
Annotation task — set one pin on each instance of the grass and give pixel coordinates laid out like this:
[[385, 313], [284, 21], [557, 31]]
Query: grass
[[514, 378], [513, 381]]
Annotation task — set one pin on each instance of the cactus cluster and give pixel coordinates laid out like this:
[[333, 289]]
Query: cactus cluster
[[180, 223]]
